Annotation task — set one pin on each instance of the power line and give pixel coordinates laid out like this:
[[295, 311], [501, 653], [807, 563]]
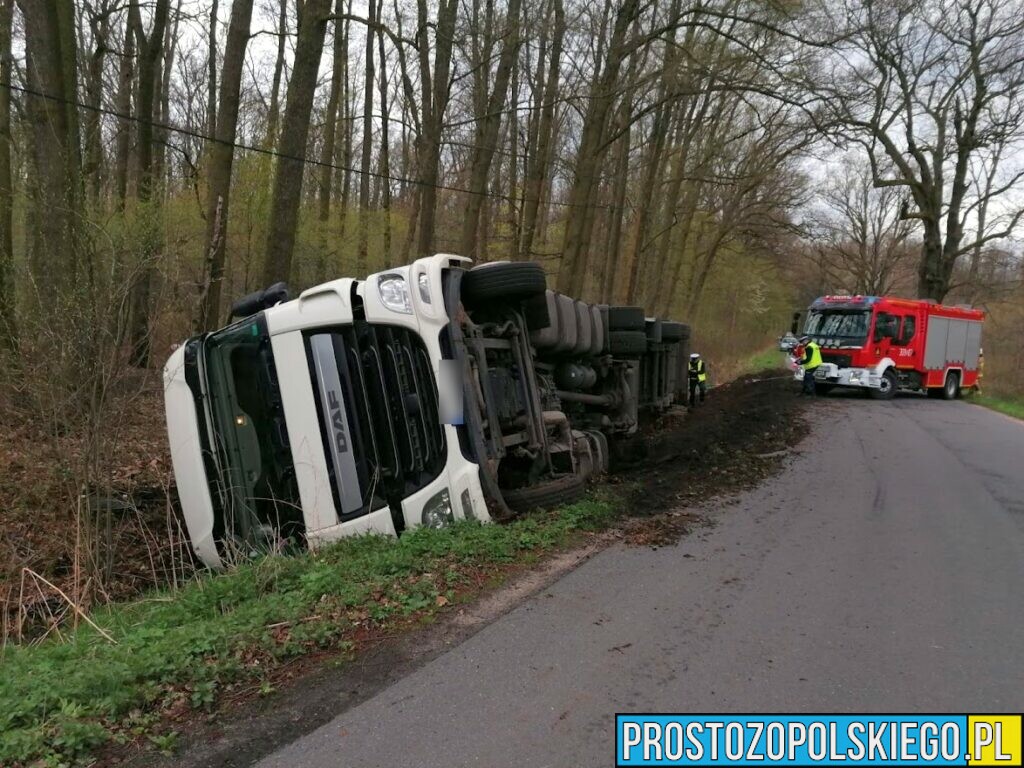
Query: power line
[[280, 155]]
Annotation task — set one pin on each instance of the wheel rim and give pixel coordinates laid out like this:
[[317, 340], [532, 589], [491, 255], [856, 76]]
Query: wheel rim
[[885, 385], [950, 386]]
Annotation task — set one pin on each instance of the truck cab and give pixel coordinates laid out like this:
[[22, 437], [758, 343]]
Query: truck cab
[[420, 395], [886, 344]]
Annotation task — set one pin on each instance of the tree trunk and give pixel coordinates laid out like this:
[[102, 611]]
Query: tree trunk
[[287, 194], [538, 167], [6, 188], [364, 164], [385, 149], [150, 49], [99, 23], [618, 211], [573, 269], [436, 89], [211, 77], [274, 112], [123, 105], [57, 243], [221, 159], [326, 187], [487, 126]]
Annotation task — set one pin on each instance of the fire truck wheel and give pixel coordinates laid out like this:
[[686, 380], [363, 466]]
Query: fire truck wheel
[[951, 389], [627, 343], [886, 387], [507, 280], [555, 493]]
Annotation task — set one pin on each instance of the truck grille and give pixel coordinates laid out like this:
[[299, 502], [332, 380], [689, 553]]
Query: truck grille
[[391, 409], [843, 361]]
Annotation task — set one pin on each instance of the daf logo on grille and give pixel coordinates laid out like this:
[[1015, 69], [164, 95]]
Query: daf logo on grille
[[337, 421]]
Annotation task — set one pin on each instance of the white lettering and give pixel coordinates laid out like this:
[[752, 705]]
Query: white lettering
[[697, 753], [981, 741], [776, 741], [630, 738], [674, 742], [906, 740], [733, 742], [816, 747], [713, 729], [753, 755], [833, 741], [951, 742], [797, 738], [854, 732], [1000, 755], [929, 741], [652, 742], [876, 751]]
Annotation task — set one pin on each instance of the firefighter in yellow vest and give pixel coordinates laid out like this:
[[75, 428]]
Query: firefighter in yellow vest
[[698, 375], [810, 362]]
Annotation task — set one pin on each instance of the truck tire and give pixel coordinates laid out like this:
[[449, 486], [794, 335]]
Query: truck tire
[[627, 343], [554, 493], [536, 312], [951, 389], [626, 319], [503, 280], [888, 386], [673, 331]]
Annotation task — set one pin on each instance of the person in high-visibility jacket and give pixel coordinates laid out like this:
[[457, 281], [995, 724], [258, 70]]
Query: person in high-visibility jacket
[[698, 375], [810, 361]]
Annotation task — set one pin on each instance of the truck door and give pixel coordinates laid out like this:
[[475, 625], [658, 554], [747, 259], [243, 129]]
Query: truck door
[[904, 349]]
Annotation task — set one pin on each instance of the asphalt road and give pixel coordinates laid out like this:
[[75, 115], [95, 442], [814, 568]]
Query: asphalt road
[[882, 571]]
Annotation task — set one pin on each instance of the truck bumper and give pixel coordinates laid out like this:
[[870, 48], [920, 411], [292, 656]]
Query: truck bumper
[[830, 373]]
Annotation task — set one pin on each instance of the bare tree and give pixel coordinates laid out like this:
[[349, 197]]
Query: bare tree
[[221, 158], [861, 237], [6, 178], [924, 87], [284, 216]]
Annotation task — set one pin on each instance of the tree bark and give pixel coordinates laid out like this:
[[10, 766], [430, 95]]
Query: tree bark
[[537, 168], [287, 193], [487, 126], [364, 164], [211, 77], [385, 148], [573, 269], [99, 23], [436, 92], [221, 160], [7, 326], [57, 249], [274, 112], [123, 105]]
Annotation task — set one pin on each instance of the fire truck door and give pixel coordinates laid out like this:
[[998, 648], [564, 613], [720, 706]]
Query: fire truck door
[[904, 350]]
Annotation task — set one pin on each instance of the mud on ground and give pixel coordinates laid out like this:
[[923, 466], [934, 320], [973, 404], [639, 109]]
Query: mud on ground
[[736, 438]]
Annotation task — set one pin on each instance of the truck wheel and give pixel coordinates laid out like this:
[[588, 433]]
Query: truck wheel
[[951, 389], [627, 343], [887, 386], [503, 280], [554, 493], [626, 319], [672, 331]]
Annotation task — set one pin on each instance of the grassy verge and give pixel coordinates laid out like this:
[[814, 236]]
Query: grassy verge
[[1008, 405], [172, 652]]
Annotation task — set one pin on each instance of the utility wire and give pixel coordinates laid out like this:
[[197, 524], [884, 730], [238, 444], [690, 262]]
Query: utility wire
[[274, 153]]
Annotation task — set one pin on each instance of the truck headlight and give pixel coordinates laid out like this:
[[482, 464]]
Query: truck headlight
[[423, 283], [437, 513], [394, 293]]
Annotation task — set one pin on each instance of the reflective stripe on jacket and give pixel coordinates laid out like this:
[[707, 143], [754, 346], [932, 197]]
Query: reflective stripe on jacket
[[812, 356], [698, 370]]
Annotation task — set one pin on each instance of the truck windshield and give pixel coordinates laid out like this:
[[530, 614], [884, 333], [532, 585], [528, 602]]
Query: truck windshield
[[258, 494], [850, 326]]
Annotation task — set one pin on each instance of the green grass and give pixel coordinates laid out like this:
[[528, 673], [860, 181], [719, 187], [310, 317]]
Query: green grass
[[61, 701], [1008, 405], [767, 359]]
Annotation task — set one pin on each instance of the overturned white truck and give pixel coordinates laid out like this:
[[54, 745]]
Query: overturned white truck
[[417, 396]]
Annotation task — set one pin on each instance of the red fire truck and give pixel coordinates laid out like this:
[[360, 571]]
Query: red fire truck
[[885, 344]]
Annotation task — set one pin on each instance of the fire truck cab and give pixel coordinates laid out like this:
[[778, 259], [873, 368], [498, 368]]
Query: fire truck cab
[[885, 344]]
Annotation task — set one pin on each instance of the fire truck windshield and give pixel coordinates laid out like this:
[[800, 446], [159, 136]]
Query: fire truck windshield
[[848, 326]]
